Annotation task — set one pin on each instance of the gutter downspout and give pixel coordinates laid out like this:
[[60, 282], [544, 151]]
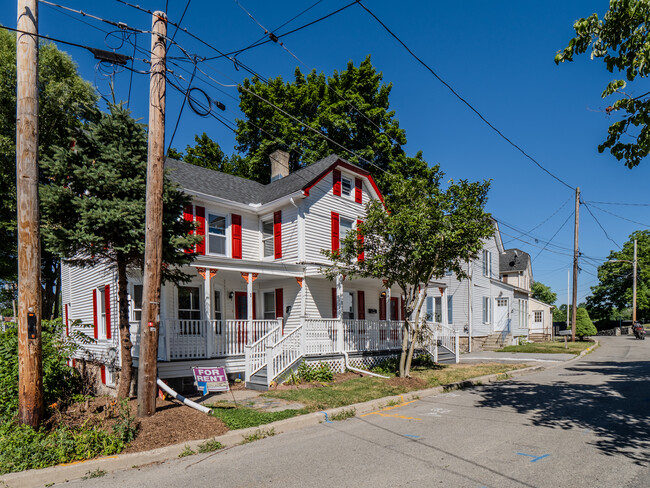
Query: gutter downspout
[[347, 366], [181, 398]]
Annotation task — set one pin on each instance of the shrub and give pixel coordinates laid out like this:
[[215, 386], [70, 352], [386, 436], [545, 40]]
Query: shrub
[[584, 325], [322, 373], [60, 382]]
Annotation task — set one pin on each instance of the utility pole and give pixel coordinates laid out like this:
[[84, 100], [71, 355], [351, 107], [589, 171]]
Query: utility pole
[[147, 370], [30, 363], [575, 267], [634, 287], [568, 299]]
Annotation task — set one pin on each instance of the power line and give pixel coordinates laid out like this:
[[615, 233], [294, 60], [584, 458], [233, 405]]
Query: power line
[[556, 233], [621, 203], [619, 216], [457, 95], [549, 217], [120, 25], [600, 225]]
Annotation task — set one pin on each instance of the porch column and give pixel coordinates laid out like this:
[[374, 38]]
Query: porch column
[[303, 313], [339, 312], [207, 304], [388, 314], [249, 304], [445, 309]]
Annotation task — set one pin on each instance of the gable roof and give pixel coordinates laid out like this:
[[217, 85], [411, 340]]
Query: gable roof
[[513, 260], [242, 190]]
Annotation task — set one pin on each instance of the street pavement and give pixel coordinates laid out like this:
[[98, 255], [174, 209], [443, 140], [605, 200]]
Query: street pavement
[[585, 423]]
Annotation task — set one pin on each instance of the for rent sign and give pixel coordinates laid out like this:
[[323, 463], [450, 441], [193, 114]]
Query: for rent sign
[[210, 379]]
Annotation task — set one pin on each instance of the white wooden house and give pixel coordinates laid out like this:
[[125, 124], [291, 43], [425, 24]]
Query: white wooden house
[[257, 302], [484, 309]]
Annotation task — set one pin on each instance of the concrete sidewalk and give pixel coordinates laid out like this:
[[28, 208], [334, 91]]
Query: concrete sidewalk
[[514, 357]]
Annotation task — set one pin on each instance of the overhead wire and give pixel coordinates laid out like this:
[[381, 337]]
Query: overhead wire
[[553, 237], [619, 216], [549, 217], [621, 203], [469, 105], [600, 225]]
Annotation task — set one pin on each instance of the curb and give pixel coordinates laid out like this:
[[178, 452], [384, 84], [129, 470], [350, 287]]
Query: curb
[[63, 473]]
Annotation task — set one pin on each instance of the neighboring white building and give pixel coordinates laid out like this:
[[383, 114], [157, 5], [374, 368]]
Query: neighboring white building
[[487, 308], [541, 321], [256, 284]]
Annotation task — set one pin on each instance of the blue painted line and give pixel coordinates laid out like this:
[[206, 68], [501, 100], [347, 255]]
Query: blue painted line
[[413, 436], [326, 419], [535, 458]]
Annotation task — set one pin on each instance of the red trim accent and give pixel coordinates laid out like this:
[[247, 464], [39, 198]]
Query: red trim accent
[[361, 299], [382, 307], [358, 190], [334, 310], [107, 306], [74, 363], [361, 255], [236, 237], [200, 229], [188, 214], [95, 328], [336, 187], [67, 323], [102, 370], [277, 233], [336, 243], [349, 167], [394, 308]]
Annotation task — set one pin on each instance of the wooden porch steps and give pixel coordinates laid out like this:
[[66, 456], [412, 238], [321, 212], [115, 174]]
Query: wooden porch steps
[[445, 356], [540, 337], [496, 341]]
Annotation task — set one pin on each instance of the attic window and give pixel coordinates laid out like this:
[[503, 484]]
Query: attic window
[[346, 186]]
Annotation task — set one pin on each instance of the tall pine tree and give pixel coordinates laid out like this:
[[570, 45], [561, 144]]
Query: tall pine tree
[[94, 210]]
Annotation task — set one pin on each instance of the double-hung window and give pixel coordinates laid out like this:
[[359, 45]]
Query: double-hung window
[[102, 311], [189, 303], [539, 316], [348, 305], [487, 263], [269, 305], [487, 310], [345, 226], [450, 309], [136, 301], [267, 238], [217, 234]]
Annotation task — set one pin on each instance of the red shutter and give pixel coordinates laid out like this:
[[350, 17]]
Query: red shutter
[[336, 188], [277, 233], [335, 232], [200, 228], [361, 255], [102, 370], [95, 328], [358, 193], [107, 305], [67, 330], [279, 303], [382, 307], [188, 214], [236, 237], [334, 311], [361, 298]]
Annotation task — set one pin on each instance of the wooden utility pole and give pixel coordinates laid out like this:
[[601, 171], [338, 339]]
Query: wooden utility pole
[[30, 363], [634, 287], [575, 267], [147, 368]]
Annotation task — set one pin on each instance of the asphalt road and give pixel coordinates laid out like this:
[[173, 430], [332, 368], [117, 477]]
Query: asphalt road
[[582, 424]]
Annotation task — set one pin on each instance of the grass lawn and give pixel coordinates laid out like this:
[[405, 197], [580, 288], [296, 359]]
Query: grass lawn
[[238, 417], [358, 390], [550, 347]]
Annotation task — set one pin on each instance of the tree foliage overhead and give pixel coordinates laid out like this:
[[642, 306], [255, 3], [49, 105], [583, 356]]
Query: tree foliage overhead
[[205, 153], [351, 107], [414, 240], [94, 209], [65, 101], [543, 293], [622, 39], [613, 293]]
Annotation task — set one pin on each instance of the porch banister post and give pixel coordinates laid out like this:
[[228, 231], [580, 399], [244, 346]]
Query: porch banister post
[[247, 363], [269, 365], [303, 336], [209, 345], [339, 311], [457, 347], [303, 314], [249, 304], [435, 346]]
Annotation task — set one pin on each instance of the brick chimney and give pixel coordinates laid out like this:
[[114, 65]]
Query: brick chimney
[[279, 165]]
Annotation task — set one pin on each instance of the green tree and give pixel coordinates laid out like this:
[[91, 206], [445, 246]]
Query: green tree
[[205, 153], [94, 208], [543, 293], [414, 240], [65, 101], [559, 314], [584, 325], [622, 39], [612, 295], [351, 107]]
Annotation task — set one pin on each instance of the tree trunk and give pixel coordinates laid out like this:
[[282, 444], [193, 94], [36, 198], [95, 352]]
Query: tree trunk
[[57, 291], [126, 373], [402, 358]]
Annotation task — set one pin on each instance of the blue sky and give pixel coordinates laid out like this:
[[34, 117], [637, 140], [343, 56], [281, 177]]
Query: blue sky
[[497, 55]]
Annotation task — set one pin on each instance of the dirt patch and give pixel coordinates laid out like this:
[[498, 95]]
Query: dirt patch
[[409, 383], [173, 422]]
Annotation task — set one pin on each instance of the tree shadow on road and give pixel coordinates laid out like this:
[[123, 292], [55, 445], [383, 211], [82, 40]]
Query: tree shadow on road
[[617, 411]]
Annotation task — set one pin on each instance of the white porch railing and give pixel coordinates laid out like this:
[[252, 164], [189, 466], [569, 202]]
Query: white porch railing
[[187, 339], [256, 356], [321, 336], [444, 336], [284, 353], [372, 335]]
